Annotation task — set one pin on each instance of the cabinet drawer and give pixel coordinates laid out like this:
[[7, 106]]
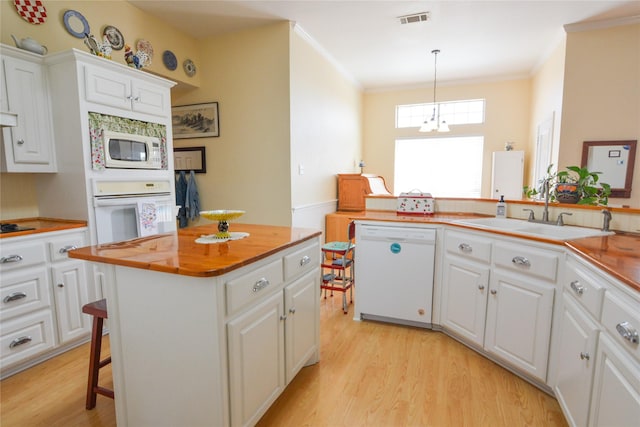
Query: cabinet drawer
[[471, 247], [621, 317], [301, 261], [23, 292], [252, 286], [59, 247], [527, 260], [21, 255], [584, 289], [26, 337]]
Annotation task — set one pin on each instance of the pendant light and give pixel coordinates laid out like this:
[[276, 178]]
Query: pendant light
[[434, 124]]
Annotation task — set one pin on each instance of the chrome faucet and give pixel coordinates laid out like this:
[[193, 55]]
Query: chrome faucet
[[532, 215], [545, 192], [607, 220], [560, 222]]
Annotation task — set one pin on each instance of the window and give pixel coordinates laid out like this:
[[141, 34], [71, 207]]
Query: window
[[454, 113], [444, 167]]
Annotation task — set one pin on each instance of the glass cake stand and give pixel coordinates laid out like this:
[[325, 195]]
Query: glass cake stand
[[223, 216]]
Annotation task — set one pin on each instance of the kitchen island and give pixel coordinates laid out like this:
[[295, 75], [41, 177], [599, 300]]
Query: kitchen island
[[209, 334]]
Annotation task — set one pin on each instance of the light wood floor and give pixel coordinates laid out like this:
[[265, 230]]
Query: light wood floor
[[370, 374]]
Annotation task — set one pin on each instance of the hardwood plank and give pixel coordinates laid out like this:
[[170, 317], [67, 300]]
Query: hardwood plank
[[370, 374]]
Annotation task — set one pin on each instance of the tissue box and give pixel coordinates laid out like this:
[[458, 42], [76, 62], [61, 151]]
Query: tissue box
[[415, 202]]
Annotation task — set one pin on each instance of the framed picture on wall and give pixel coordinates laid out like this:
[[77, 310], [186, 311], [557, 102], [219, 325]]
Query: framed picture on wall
[[195, 121]]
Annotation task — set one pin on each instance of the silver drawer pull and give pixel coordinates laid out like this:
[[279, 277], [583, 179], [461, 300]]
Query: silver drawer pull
[[493, 291], [584, 356], [305, 260], [20, 341], [577, 287], [20, 142], [481, 287], [10, 258], [14, 296], [65, 249], [520, 260], [627, 332], [260, 284], [465, 247], [292, 310]]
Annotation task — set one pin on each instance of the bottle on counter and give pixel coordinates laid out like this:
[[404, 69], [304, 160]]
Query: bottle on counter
[[501, 208]]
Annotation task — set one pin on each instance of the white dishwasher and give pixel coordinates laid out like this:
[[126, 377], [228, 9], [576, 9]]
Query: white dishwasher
[[394, 273]]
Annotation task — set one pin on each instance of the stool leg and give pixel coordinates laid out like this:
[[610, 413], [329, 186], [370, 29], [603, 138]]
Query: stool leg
[[94, 361]]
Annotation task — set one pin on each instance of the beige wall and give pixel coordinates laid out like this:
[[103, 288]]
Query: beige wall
[[546, 104], [602, 94], [326, 117], [248, 166], [506, 119]]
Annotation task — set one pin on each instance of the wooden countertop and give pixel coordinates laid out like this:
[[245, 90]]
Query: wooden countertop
[[618, 255], [178, 253], [41, 225]]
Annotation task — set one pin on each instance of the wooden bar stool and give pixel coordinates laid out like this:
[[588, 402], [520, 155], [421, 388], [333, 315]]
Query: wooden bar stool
[[98, 310]]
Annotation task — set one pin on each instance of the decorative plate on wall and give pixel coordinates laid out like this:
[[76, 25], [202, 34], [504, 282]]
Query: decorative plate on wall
[[189, 67], [145, 46], [76, 24], [32, 11], [114, 36], [169, 60]]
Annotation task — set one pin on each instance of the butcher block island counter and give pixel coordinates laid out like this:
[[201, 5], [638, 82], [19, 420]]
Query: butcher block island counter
[[209, 334]]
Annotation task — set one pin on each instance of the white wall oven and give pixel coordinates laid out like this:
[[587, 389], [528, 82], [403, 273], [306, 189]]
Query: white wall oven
[[130, 209]]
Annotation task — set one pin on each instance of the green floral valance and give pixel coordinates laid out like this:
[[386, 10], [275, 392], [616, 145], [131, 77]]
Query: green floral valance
[[98, 123]]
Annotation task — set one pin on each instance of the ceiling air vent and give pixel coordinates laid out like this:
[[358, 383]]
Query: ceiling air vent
[[416, 17]]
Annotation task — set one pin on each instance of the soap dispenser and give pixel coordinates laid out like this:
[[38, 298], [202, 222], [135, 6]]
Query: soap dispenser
[[501, 208]]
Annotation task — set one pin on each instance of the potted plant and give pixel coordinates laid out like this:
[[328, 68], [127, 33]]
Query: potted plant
[[574, 185]]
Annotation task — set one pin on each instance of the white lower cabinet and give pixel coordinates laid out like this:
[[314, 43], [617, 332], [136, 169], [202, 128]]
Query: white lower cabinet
[[268, 345], [42, 293], [576, 360], [498, 296], [597, 379]]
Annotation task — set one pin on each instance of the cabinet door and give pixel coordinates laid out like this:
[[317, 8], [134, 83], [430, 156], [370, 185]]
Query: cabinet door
[[150, 99], [70, 292], [616, 388], [351, 192], [576, 360], [518, 325], [29, 145], [464, 299], [256, 360], [303, 322], [107, 87]]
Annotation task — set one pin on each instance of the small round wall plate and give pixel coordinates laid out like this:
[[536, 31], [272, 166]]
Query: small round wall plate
[[32, 11], [114, 36], [169, 60], [76, 24], [189, 67]]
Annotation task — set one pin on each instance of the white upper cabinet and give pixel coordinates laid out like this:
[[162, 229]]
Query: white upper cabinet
[[28, 146], [111, 88]]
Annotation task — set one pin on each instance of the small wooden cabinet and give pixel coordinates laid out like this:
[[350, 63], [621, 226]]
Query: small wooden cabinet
[[352, 189]]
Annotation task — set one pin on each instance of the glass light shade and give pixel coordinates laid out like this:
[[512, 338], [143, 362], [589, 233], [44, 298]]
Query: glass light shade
[[444, 127], [428, 126]]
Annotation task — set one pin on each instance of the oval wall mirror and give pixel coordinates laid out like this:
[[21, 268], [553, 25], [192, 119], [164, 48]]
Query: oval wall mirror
[[615, 159]]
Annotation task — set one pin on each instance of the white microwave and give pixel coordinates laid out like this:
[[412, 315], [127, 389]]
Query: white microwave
[[129, 151]]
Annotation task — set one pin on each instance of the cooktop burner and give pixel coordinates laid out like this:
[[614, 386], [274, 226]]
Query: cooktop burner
[[11, 228]]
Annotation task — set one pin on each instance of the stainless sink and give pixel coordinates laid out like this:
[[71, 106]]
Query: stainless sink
[[519, 226]]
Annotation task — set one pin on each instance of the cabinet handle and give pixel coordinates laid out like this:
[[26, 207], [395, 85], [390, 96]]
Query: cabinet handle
[[305, 260], [292, 310], [493, 291], [19, 341], [10, 258], [283, 317], [20, 142], [260, 285], [627, 332], [577, 287], [465, 247], [481, 287], [14, 296], [584, 356], [137, 98], [520, 260], [61, 285], [65, 249]]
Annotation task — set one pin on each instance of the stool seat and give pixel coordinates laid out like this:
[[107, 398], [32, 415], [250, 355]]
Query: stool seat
[[97, 309]]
